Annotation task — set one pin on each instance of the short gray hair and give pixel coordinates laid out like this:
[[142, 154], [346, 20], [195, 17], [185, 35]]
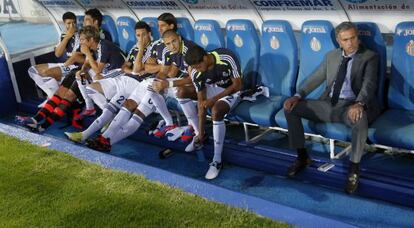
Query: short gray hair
[[346, 25]]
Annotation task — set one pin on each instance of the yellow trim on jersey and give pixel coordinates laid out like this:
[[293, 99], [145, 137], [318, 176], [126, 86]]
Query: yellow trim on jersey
[[217, 57]]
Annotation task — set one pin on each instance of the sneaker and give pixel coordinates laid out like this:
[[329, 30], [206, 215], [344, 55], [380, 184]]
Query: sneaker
[[193, 145], [161, 133], [75, 136], [214, 170], [38, 128], [26, 121], [188, 134], [100, 144], [85, 113]]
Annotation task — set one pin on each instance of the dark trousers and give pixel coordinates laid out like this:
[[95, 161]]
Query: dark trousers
[[323, 111]]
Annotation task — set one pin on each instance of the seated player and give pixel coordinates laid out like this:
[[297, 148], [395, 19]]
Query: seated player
[[48, 76], [139, 105], [217, 78], [118, 89], [103, 59]]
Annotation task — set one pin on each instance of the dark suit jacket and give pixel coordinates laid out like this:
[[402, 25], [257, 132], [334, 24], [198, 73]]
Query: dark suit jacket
[[364, 74]]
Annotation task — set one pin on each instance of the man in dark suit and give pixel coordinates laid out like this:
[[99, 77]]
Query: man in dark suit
[[349, 97]]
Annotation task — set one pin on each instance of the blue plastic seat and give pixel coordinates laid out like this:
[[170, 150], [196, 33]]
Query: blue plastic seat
[[208, 34], [153, 23], [317, 39], [277, 71], [79, 21], [126, 32], [243, 40], [371, 37], [395, 127], [108, 25], [185, 29]]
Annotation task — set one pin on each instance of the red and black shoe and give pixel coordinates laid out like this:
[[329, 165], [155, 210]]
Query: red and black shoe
[[100, 143]]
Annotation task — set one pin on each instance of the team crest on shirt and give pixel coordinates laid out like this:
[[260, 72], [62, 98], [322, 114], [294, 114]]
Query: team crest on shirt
[[410, 48], [315, 44], [274, 43], [204, 39]]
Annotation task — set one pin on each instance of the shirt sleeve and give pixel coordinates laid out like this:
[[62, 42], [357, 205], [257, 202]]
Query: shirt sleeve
[[131, 55], [198, 79], [234, 65]]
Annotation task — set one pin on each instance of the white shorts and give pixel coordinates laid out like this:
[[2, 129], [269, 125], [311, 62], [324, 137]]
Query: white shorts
[[232, 100], [140, 91], [109, 74], [63, 69]]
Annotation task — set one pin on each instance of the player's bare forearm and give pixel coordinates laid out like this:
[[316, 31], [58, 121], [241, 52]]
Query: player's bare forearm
[[152, 68], [61, 47]]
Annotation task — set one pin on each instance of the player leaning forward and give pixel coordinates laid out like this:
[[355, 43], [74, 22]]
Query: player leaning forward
[[217, 79]]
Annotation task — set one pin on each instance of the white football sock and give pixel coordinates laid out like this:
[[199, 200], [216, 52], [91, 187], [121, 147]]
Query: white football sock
[[82, 89], [219, 132], [47, 84], [161, 106], [128, 129], [97, 97], [120, 119], [190, 111], [106, 116]]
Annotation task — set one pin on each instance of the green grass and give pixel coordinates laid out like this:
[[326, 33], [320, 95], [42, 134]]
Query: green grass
[[45, 188]]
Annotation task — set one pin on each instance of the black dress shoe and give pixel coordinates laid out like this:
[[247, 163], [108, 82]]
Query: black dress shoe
[[298, 166], [352, 183]]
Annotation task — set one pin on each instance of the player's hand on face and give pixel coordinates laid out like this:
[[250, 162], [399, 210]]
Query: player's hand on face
[[84, 49], [141, 43], [78, 74], [71, 30]]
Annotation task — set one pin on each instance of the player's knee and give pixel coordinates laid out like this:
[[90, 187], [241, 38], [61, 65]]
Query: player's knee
[[145, 109], [131, 105], [219, 110], [217, 114], [139, 113], [70, 95]]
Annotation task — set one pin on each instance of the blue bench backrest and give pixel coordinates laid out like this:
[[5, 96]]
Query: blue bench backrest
[[153, 23], [278, 57], [371, 37], [185, 29], [126, 32], [108, 25], [317, 38], [401, 91], [208, 34], [243, 40], [79, 21]]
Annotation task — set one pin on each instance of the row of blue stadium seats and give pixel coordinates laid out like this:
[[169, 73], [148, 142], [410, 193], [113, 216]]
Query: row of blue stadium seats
[[273, 60]]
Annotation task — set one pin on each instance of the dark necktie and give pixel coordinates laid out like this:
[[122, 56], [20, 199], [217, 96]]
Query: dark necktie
[[340, 78]]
